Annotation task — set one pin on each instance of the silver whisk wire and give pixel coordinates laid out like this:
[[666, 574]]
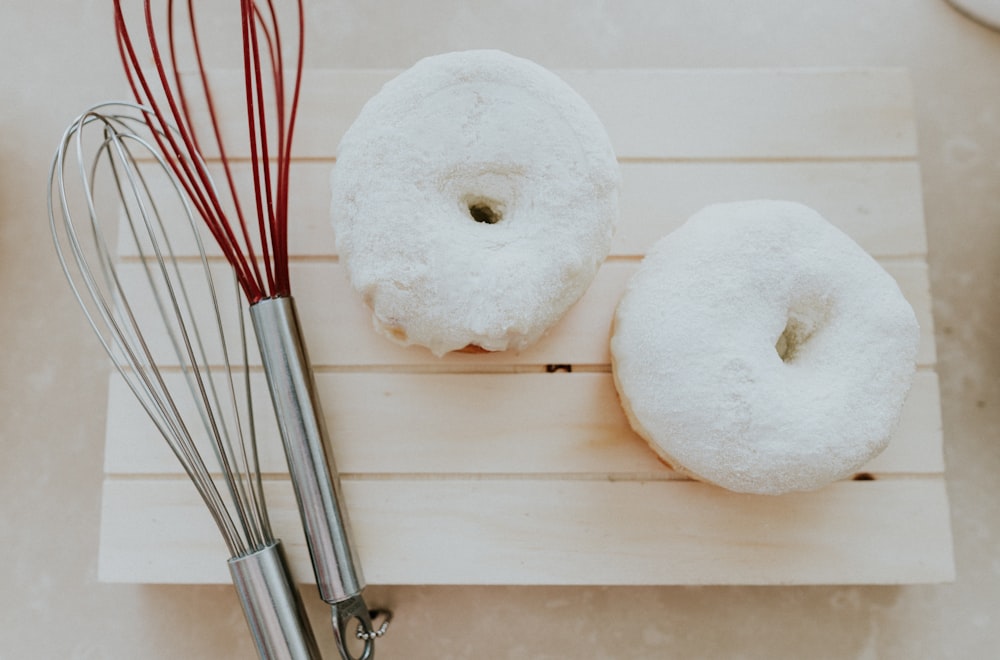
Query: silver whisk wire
[[123, 336], [112, 140]]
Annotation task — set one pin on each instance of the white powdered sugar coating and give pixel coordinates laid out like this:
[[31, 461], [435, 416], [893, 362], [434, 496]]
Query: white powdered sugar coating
[[761, 349], [473, 200]]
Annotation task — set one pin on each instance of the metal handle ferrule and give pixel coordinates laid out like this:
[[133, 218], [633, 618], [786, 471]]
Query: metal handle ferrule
[[272, 606], [310, 462]]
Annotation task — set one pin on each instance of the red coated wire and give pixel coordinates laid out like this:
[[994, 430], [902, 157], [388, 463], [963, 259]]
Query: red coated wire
[[270, 119]]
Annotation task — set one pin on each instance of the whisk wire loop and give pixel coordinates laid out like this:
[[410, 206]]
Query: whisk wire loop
[[186, 340], [262, 270], [92, 269]]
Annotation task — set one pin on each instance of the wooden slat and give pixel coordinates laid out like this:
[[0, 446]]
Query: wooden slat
[[562, 532], [738, 114], [915, 284], [917, 442], [877, 204], [335, 326], [338, 329], [668, 114], [341, 330], [479, 424]]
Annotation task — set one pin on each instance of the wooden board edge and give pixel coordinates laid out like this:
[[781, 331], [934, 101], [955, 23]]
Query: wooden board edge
[[883, 532]]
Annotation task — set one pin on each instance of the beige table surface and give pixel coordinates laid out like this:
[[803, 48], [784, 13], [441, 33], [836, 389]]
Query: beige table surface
[[58, 56]]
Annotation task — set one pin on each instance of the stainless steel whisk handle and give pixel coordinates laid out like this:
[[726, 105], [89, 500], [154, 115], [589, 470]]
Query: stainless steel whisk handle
[[272, 605], [311, 466], [310, 463]]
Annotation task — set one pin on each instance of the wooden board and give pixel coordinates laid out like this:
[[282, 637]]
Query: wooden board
[[520, 468]]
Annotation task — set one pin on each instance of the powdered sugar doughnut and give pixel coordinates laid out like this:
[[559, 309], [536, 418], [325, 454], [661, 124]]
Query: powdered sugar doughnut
[[474, 199], [759, 348]]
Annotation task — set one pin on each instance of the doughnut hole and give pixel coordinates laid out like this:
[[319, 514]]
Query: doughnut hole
[[805, 319], [484, 209]]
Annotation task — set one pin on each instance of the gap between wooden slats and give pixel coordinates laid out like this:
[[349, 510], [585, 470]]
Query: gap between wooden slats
[[337, 325], [659, 113], [878, 204], [559, 532]]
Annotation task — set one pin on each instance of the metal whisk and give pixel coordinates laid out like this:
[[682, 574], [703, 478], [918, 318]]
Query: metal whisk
[[250, 226], [168, 306]]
